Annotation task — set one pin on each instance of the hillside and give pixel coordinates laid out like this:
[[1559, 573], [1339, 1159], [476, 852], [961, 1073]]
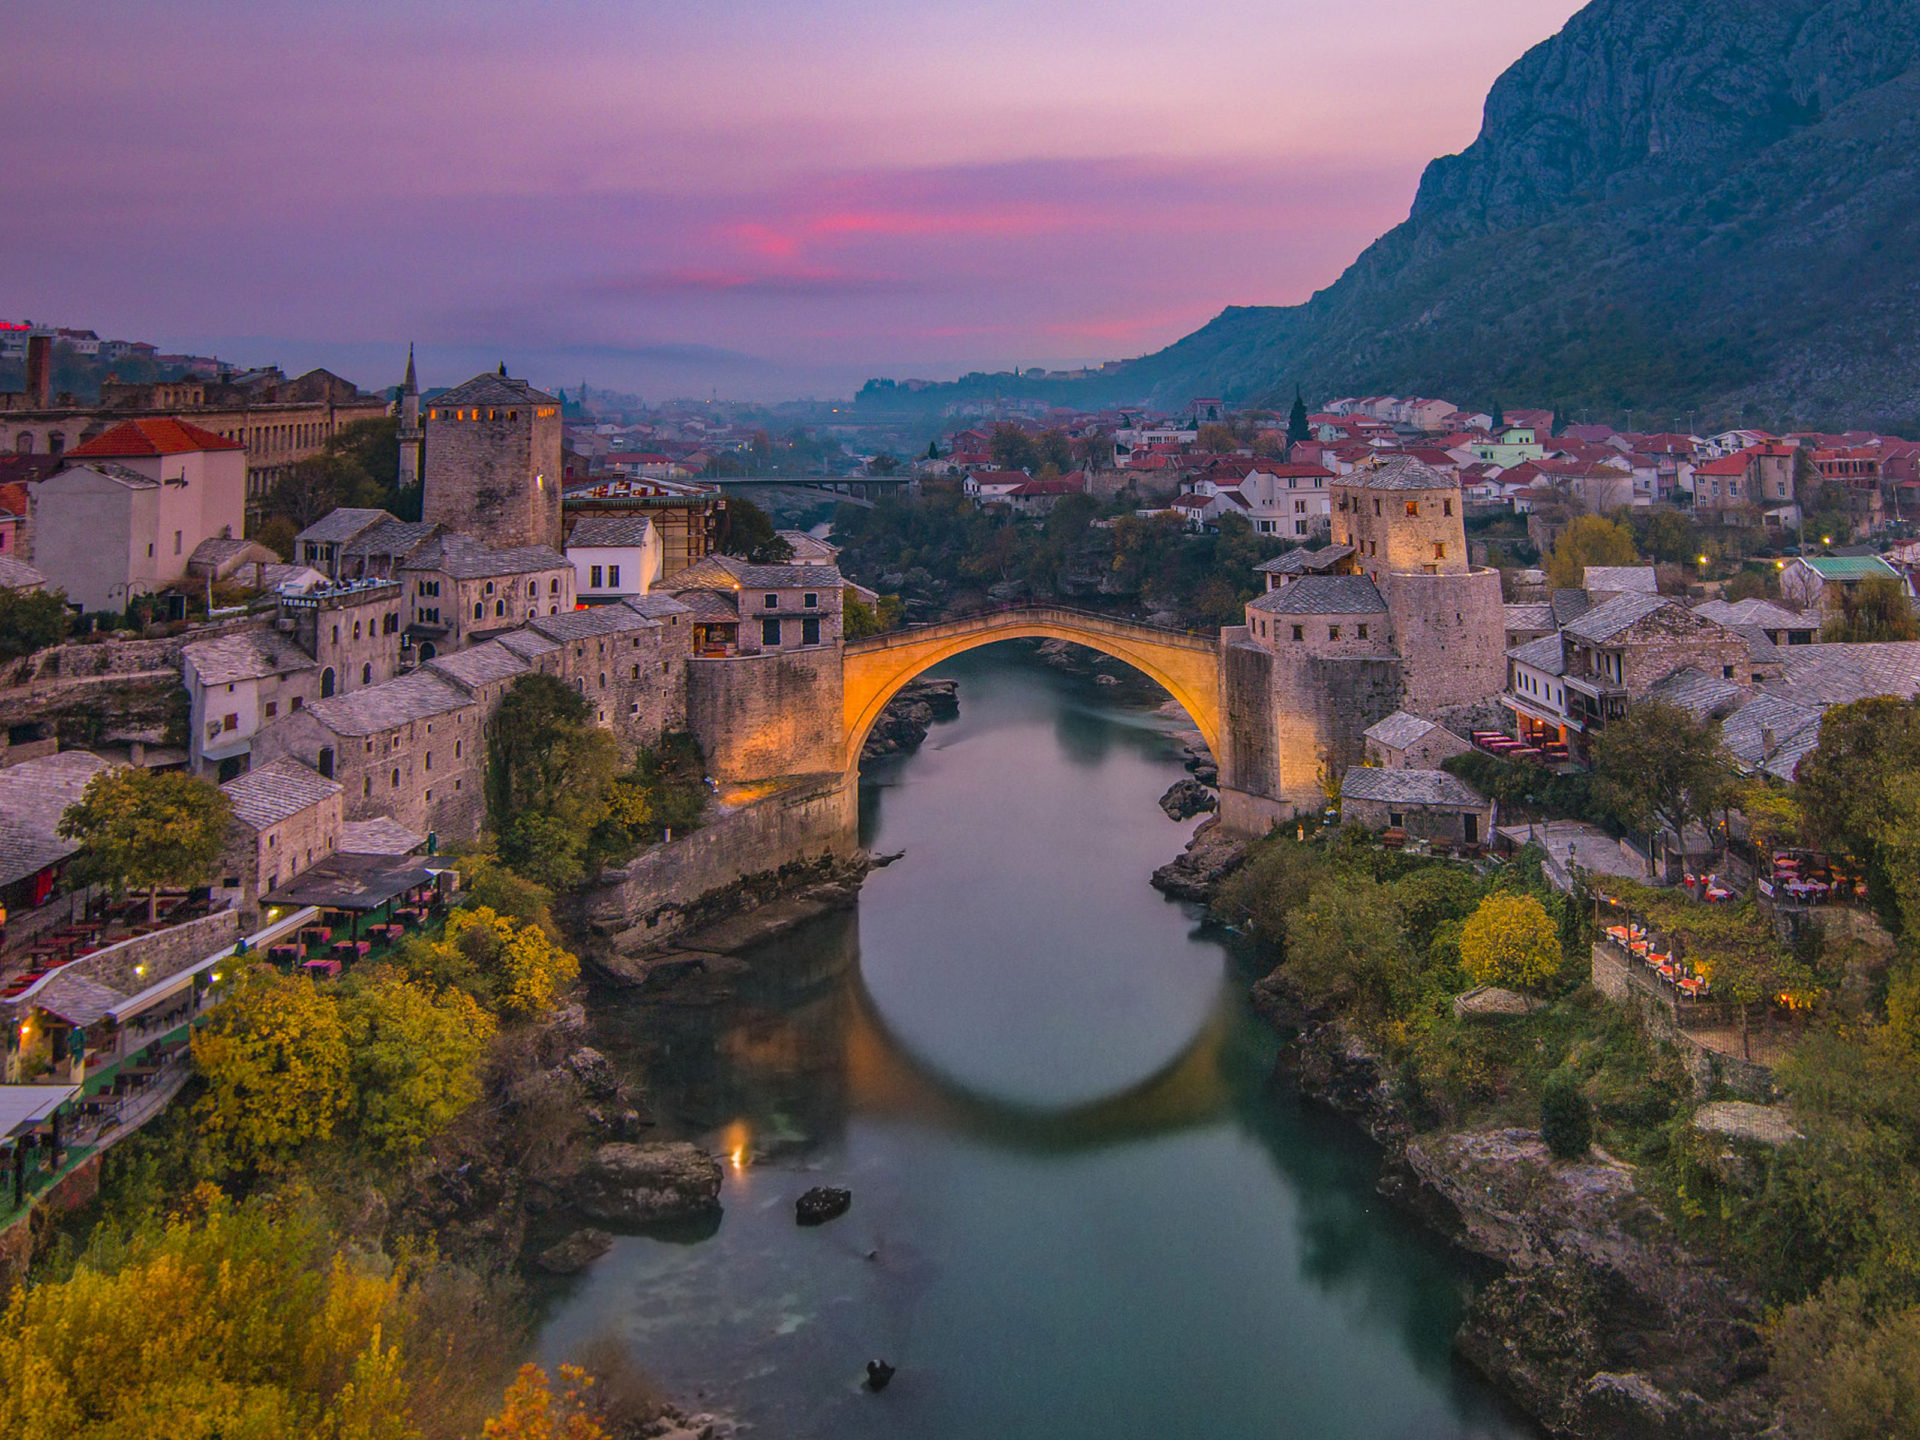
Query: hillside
[[1671, 207]]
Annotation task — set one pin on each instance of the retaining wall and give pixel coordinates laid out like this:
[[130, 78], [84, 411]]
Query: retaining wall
[[810, 818]]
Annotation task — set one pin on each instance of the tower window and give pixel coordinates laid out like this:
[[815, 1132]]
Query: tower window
[[1299, 632], [1413, 509], [1333, 632], [1439, 550]]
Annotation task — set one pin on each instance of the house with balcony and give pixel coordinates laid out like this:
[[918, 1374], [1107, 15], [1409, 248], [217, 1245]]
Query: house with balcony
[[739, 608]]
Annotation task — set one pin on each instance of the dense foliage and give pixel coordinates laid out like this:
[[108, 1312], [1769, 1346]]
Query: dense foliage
[[146, 829], [31, 620]]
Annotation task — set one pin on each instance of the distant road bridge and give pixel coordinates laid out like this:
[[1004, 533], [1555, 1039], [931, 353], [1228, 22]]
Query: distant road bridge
[[1186, 665]]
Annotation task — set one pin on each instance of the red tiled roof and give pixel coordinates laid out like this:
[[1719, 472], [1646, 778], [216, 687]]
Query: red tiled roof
[[13, 498], [165, 436]]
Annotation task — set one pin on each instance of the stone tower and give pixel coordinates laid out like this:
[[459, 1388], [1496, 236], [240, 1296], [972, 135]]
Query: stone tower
[[493, 462], [410, 438]]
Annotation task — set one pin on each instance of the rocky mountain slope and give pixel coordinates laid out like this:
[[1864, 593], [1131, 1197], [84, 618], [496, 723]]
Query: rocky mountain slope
[[1672, 205]]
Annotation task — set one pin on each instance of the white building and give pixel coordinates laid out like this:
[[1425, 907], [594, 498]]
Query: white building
[[614, 556]]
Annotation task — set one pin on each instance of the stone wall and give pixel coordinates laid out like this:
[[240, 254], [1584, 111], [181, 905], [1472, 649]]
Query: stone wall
[[497, 480], [75, 663], [160, 954], [1439, 826], [1246, 716], [758, 717], [425, 773], [1451, 632], [1322, 709], [814, 817]]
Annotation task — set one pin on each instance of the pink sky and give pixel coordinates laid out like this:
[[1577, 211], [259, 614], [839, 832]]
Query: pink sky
[[834, 189]]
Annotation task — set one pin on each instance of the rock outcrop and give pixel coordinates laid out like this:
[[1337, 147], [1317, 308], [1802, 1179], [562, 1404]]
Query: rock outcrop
[[1602, 1323], [626, 1184], [1187, 798], [821, 1204], [1211, 856], [903, 725]]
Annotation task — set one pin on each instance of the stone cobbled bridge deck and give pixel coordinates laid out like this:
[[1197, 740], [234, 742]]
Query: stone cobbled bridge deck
[[1186, 664]]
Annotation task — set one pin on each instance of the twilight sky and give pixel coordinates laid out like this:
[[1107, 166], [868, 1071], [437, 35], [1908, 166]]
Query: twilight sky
[[770, 197]]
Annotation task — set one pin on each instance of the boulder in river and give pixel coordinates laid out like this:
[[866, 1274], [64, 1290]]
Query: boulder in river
[[821, 1204], [573, 1254], [625, 1184], [1187, 798]]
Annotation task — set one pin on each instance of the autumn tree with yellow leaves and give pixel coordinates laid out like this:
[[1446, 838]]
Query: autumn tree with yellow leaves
[[1511, 941], [416, 1057], [276, 1063], [531, 1411]]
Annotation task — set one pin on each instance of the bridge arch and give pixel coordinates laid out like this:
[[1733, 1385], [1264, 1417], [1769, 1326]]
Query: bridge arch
[[1186, 666]]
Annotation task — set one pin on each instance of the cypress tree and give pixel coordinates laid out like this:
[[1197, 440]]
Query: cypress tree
[[1499, 418], [1297, 430]]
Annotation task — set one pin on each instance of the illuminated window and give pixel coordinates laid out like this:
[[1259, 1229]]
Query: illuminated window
[[1413, 509], [1439, 550], [1333, 632]]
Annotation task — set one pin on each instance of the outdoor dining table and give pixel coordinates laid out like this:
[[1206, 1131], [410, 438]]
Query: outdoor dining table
[[353, 949], [328, 968]]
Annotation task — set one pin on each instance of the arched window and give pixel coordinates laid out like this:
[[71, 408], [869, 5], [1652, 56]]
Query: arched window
[[366, 674], [326, 682], [56, 443], [23, 443], [533, 587], [396, 778], [553, 586]]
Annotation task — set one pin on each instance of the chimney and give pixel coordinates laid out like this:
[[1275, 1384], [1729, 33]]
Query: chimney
[[39, 371], [1768, 744]]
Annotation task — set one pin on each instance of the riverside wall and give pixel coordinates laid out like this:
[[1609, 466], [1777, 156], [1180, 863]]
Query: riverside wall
[[807, 819]]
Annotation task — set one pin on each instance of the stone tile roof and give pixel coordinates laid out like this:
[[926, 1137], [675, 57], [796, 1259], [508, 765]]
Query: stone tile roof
[[809, 549], [609, 532], [339, 526], [585, 624], [1621, 578], [1794, 728], [1399, 730], [465, 558], [492, 389], [217, 549], [1823, 675], [1531, 615], [1403, 472], [390, 537], [486, 664], [525, 643], [707, 607], [655, 606], [1611, 617], [1760, 646], [1701, 695], [1409, 787], [418, 696], [727, 572], [245, 655], [1303, 561], [1569, 605], [18, 575], [1763, 613], [77, 999], [1547, 655], [270, 793], [1324, 595], [33, 796], [382, 835]]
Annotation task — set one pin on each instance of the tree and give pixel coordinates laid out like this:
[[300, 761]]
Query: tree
[[1499, 418], [1874, 611], [225, 1323], [1667, 535], [1566, 1117], [531, 1411], [1298, 430], [275, 1060], [31, 620], [520, 968], [1094, 450], [1511, 941], [551, 782], [1345, 946], [933, 449], [1657, 767], [148, 828], [747, 531], [881, 464], [416, 1058], [1843, 784], [1216, 439], [859, 619], [1012, 448], [1588, 540], [1053, 447]]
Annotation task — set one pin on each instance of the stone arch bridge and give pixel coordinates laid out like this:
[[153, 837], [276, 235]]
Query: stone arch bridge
[[1186, 665]]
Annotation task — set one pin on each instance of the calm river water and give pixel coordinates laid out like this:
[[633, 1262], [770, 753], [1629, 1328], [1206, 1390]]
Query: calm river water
[[1081, 1209]]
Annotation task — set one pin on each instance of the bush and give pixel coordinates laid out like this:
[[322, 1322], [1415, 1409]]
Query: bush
[[1566, 1119]]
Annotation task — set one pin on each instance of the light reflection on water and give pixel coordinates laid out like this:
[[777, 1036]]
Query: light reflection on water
[[1080, 1208]]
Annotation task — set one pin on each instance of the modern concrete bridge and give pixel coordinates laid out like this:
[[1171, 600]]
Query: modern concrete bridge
[[1187, 665]]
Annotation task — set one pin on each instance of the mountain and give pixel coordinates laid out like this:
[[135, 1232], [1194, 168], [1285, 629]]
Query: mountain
[[1672, 206]]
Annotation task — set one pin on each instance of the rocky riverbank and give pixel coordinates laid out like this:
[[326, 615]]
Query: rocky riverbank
[[904, 724], [1601, 1323]]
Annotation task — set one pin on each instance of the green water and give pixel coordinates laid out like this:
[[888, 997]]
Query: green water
[[1083, 1210]]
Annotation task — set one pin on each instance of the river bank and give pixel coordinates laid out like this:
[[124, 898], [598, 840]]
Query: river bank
[[1602, 1324]]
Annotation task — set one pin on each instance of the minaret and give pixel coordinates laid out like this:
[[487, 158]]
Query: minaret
[[409, 427]]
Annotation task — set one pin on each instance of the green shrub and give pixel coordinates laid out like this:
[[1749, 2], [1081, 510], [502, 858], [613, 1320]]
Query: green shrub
[[1566, 1119]]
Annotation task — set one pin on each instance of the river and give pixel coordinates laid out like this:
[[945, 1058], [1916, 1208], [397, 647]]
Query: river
[[1082, 1208]]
